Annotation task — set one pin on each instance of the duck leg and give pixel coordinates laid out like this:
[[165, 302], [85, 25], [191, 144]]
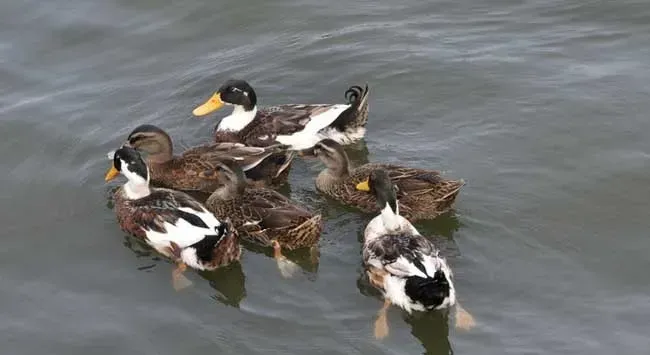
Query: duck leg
[[179, 281], [376, 277], [314, 254], [464, 320], [287, 267], [381, 324]]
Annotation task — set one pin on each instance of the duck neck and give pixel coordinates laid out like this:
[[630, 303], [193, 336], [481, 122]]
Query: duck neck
[[135, 190], [391, 219], [341, 168], [238, 119], [227, 192]]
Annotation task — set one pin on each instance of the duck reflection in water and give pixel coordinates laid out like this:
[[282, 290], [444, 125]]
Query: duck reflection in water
[[229, 281]]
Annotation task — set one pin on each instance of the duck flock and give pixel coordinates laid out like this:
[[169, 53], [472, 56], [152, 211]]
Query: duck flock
[[250, 158]]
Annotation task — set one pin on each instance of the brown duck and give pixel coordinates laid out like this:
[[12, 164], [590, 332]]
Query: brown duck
[[264, 216], [193, 170], [422, 194], [173, 223]]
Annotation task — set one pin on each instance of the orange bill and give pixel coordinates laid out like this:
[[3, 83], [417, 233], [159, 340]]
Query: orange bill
[[209, 106], [111, 174]]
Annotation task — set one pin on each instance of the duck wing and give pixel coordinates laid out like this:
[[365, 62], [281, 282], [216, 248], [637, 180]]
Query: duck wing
[[272, 210], [402, 255], [173, 216]]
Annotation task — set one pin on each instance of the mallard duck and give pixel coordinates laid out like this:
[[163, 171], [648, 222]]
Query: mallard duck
[[298, 126], [423, 194], [193, 170], [405, 266], [173, 223], [264, 216]]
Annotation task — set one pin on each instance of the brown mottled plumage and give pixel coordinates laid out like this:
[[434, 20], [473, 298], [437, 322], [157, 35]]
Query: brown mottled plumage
[[422, 194], [287, 119], [262, 215], [193, 170]]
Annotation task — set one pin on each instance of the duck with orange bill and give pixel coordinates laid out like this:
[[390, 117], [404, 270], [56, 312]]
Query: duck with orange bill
[[172, 222], [299, 126]]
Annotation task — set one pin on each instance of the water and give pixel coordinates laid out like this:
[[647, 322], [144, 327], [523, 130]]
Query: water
[[541, 106]]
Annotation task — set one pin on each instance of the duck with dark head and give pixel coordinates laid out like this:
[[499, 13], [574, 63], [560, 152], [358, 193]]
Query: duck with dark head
[[404, 265], [173, 223], [298, 126]]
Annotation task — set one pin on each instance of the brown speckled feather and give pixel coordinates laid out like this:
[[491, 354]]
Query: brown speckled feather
[[227, 252], [194, 170], [422, 194], [263, 215]]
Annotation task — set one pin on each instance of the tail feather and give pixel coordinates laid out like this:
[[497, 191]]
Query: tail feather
[[357, 114], [430, 291]]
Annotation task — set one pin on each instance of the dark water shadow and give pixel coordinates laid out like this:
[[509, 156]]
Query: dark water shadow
[[301, 257], [358, 153], [430, 328], [229, 281]]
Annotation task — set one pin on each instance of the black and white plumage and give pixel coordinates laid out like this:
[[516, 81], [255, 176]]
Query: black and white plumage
[[170, 221], [418, 278], [299, 126], [402, 263]]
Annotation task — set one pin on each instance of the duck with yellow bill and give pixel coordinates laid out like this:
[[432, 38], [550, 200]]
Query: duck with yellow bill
[[172, 222], [298, 126]]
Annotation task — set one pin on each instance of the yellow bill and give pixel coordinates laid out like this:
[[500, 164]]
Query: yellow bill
[[363, 186], [111, 174], [209, 106]]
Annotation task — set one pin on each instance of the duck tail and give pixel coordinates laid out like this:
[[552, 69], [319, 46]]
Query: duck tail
[[356, 116], [450, 193], [310, 231], [430, 291]]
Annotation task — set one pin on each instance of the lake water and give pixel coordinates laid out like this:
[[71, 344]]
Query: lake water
[[541, 106]]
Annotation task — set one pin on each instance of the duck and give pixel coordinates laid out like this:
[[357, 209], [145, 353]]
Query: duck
[[403, 265], [173, 223], [423, 194], [299, 126], [264, 216], [193, 170]]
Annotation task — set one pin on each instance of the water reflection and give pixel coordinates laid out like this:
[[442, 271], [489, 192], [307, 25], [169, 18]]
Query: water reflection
[[228, 281], [432, 330], [306, 259]]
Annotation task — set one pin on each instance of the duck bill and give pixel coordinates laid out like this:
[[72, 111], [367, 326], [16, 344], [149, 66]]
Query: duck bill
[[213, 104], [363, 186], [111, 174]]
